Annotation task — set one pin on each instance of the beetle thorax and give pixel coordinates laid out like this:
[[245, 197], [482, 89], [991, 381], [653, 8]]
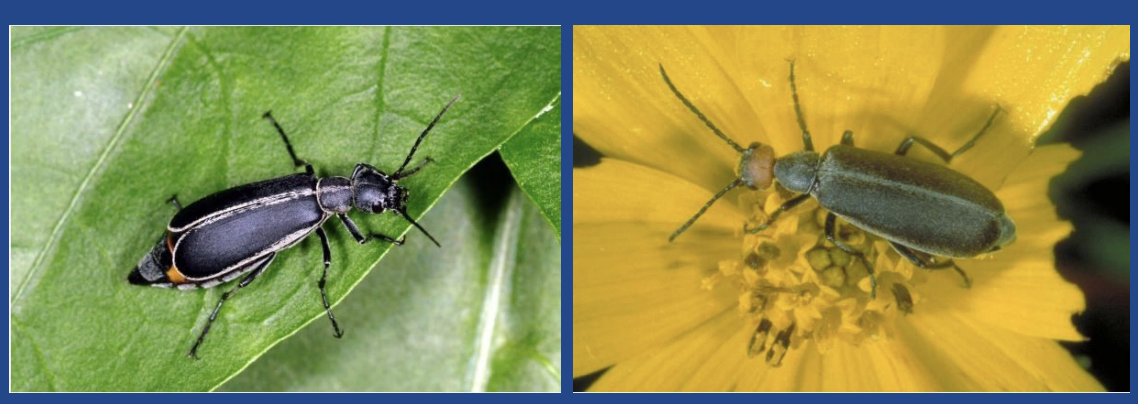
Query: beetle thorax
[[796, 171]]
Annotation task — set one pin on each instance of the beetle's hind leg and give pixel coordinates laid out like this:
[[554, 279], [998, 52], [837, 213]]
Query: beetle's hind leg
[[903, 148], [258, 267], [916, 258], [337, 332], [831, 225]]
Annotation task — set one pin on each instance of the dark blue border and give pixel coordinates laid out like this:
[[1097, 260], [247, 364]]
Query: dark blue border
[[582, 12], [566, 209]]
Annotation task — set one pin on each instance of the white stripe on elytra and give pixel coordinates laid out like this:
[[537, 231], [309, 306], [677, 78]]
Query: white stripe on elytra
[[268, 200], [320, 190]]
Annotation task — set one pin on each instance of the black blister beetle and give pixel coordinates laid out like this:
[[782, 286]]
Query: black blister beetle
[[922, 209], [239, 231]]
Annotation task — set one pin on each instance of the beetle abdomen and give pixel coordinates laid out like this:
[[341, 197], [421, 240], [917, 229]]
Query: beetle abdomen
[[921, 205], [221, 243]]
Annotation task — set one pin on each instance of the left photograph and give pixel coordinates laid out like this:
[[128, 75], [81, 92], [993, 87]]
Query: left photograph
[[285, 209]]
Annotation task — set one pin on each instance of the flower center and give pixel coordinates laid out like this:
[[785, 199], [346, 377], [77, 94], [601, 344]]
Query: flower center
[[797, 286]]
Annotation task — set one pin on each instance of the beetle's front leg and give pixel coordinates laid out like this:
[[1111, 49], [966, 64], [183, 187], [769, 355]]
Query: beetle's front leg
[[788, 205], [360, 237], [921, 262], [831, 220], [323, 293]]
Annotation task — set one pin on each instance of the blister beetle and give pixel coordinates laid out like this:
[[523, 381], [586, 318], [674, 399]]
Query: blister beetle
[[921, 209], [239, 231]]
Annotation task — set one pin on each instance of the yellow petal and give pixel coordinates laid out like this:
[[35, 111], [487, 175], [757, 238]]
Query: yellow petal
[[756, 375], [874, 81], [632, 289], [670, 366], [967, 355], [873, 366], [1019, 288], [618, 191], [622, 107], [1033, 72], [721, 370]]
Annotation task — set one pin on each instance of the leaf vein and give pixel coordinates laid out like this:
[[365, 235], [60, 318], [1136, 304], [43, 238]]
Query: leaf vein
[[147, 89]]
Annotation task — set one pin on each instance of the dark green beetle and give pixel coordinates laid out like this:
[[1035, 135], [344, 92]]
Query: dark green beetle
[[922, 209]]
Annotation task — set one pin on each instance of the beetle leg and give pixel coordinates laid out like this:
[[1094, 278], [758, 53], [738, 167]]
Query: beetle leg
[[941, 152], [913, 256], [972, 141], [174, 200], [847, 138], [258, 267], [360, 237], [707, 205], [323, 294], [352, 228], [806, 142], [295, 161], [788, 205], [831, 220], [903, 148]]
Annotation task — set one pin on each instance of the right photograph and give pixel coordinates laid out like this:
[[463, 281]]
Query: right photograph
[[822, 208]]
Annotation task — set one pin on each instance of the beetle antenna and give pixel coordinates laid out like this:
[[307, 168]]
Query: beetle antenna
[[405, 216], [695, 110], [423, 135], [718, 195]]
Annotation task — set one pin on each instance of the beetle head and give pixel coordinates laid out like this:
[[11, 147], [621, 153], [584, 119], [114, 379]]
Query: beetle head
[[756, 167], [374, 192]]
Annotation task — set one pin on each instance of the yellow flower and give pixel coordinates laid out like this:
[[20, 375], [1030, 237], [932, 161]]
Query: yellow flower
[[783, 309]]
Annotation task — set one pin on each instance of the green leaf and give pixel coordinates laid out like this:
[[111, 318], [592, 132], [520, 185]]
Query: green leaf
[[534, 156], [482, 314], [109, 122]]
